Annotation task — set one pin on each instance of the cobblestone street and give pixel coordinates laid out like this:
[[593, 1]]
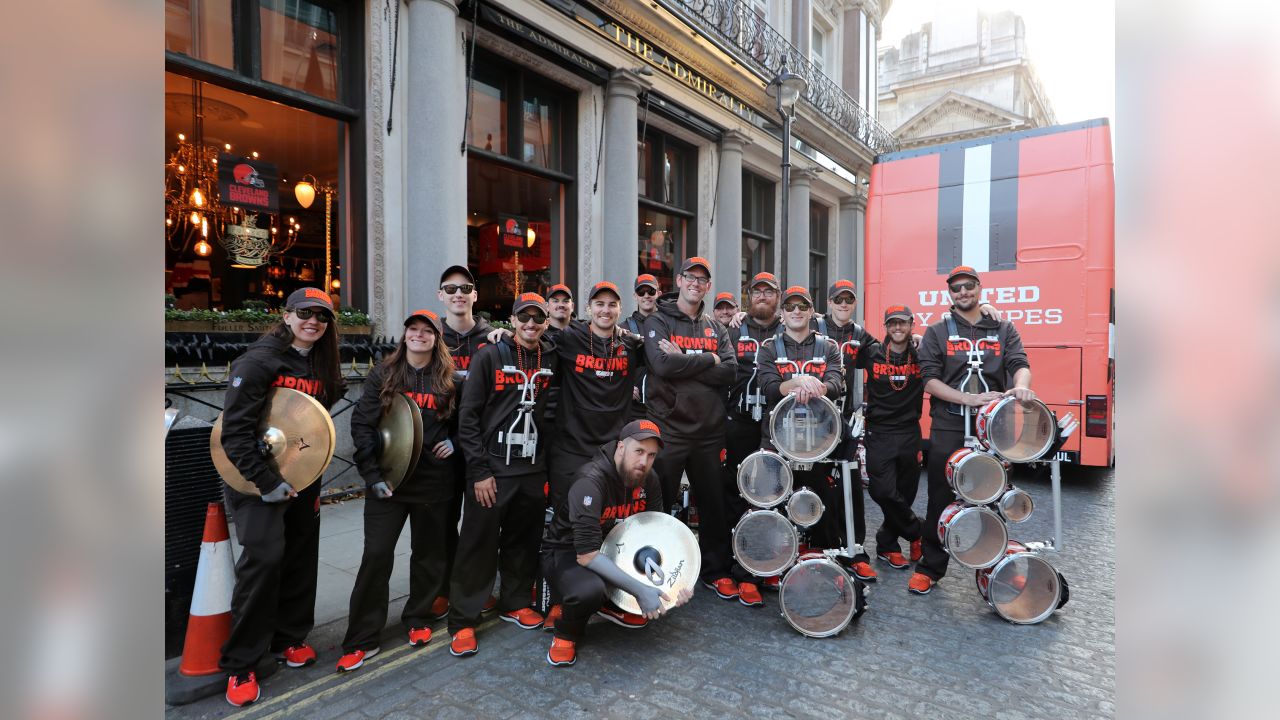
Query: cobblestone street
[[944, 655]]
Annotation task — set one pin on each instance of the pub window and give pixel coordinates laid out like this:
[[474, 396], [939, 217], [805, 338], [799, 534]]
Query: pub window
[[757, 225], [667, 182], [818, 225], [519, 208]]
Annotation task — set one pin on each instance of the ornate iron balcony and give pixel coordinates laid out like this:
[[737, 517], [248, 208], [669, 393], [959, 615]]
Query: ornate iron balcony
[[758, 46]]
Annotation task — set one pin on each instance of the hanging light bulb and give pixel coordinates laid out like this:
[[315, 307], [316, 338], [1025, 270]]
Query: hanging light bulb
[[532, 236], [336, 284], [305, 191], [195, 218], [197, 198], [203, 248], [181, 137], [168, 222], [204, 227]]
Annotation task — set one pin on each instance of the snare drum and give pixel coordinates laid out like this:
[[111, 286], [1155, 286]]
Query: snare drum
[[805, 508], [764, 479], [819, 598], [975, 536], [1022, 587], [765, 543], [808, 432], [1014, 430], [977, 477], [1015, 505]]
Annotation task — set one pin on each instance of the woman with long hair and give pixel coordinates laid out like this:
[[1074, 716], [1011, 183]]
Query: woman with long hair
[[273, 604], [422, 369]]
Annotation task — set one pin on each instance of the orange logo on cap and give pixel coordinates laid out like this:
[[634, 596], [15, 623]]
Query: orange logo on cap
[[964, 269], [605, 284], [844, 284], [558, 287], [531, 297], [695, 260], [425, 313], [796, 290], [895, 308], [765, 276], [646, 277], [315, 294], [650, 426]]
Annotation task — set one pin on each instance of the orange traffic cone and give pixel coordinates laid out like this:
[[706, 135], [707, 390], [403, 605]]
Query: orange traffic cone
[[210, 620]]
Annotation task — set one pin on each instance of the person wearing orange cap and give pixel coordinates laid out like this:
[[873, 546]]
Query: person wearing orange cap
[[944, 364], [560, 307], [726, 306], [646, 297], [421, 369]]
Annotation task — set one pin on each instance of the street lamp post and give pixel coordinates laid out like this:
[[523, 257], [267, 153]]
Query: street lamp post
[[786, 89]]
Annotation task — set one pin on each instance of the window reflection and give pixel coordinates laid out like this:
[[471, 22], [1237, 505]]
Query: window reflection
[[299, 45], [661, 241], [200, 29]]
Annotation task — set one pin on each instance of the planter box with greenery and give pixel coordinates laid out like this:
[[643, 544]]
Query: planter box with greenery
[[255, 317]]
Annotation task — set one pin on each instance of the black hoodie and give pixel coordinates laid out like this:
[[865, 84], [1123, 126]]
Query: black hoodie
[[773, 375], [490, 398], [597, 500], [433, 480], [746, 354], [268, 363], [635, 324], [462, 346], [595, 387], [686, 390], [941, 359]]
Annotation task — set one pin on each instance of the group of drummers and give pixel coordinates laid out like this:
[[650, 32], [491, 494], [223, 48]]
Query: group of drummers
[[598, 419]]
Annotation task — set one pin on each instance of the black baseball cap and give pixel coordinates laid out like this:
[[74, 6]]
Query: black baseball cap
[[962, 271], [527, 300], [457, 269], [603, 286], [798, 291], [309, 297], [766, 278], [694, 262], [842, 286], [898, 312], [646, 280], [560, 289], [427, 315], [641, 430], [726, 297]]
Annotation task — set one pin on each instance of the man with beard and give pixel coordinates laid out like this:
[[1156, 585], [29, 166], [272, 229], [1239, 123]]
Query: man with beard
[[646, 296], [691, 365], [747, 408], [506, 471], [944, 364], [618, 482]]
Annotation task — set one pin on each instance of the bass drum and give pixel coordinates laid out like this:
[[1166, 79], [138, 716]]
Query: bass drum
[[1023, 587], [805, 432], [977, 477], [764, 479], [818, 598], [765, 543], [974, 536], [1016, 431]]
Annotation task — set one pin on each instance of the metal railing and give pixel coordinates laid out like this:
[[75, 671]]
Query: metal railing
[[764, 50]]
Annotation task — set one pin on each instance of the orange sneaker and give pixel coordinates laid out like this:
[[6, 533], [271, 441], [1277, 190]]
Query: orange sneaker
[[772, 583], [490, 604], [749, 595], [549, 623], [464, 643], [920, 584], [563, 652], [725, 587], [916, 552], [440, 608], [631, 621], [296, 656], [243, 689], [354, 659], [895, 559], [526, 618], [863, 571], [419, 636]]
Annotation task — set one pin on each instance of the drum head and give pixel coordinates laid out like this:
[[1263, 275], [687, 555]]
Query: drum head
[[804, 507], [805, 432], [1020, 431], [764, 479], [818, 597], [978, 478], [976, 537], [765, 543], [1024, 588], [1015, 505]]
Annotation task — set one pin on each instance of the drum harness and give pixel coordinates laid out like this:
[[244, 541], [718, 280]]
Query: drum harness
[[752, 402], [526, 439]]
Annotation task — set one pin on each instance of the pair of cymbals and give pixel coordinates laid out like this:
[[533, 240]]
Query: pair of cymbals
[[297, 439], [656, 549], [401, 431]]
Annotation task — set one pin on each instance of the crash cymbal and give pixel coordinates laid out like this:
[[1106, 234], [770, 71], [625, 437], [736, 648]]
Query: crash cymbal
[[299, 441], [654, 548], [401, 430]]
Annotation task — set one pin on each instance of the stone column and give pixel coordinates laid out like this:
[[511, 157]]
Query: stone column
[[728, 226], [434, 76], [797, 245], [620, 184], [854, 268]]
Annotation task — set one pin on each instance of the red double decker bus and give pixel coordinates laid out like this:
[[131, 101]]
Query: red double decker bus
[[1034, 213]]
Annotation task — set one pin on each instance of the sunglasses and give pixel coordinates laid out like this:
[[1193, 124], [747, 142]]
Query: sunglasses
[[696, 279], [792, 307], [536, 318], [842, 300], [961, 287], [451, 289], [323, 316], [646, 292]]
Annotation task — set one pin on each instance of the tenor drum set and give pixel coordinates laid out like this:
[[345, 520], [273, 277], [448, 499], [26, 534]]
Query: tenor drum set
[[818, 597]]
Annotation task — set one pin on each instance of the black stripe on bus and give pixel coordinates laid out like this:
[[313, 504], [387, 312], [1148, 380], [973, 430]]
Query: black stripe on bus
[[1004, 206], [950, 210]]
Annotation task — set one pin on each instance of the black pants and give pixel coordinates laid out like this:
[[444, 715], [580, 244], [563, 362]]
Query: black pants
[[942, 444], [826, 480], [895, 479], [562, 470], [699, 458], [504, 538], [582, 591], [428, 567], [274, 602]]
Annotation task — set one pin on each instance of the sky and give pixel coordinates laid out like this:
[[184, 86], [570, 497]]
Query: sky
[[1070, 44]]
